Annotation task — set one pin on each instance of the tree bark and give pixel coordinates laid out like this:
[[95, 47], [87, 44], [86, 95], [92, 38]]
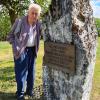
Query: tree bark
[[13, 16]]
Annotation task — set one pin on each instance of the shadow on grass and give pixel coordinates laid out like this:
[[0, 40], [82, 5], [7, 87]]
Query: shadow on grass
[[38, 94], [7, 69], [4, 62], [7, 79], [12, 96], [7, 96], [7, 74]]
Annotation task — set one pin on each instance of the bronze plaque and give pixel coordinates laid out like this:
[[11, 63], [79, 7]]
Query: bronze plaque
[[60, 56]]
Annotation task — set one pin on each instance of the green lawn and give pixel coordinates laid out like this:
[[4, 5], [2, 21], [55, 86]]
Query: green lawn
[[7, 80], [7, 77], [97, 21], [95, 95]]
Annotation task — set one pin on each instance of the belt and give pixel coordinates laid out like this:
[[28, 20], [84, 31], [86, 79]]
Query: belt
[[33, 47]]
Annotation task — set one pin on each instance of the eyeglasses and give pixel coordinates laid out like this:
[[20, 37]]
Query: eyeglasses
[[34, 13]]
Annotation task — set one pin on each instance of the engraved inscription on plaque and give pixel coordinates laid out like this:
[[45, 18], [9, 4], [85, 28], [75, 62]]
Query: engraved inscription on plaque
[[60, 56]]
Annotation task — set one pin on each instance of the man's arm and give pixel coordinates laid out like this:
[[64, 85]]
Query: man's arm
[[11, 36]]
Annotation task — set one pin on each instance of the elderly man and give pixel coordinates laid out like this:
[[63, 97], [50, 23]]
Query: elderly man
[[24, 37]]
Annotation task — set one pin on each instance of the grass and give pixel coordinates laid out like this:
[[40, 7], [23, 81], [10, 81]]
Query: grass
[[97, 21], [7, 76], [95, 95], [7, 80]]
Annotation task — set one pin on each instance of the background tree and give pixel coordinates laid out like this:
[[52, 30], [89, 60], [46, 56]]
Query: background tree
[[11, 9], [44, 4], [14, 7], [5, 23]]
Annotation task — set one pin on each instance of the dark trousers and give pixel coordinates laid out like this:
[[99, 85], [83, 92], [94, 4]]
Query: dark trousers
[[25, 71]]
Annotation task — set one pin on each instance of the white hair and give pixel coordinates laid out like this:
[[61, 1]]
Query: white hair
[[36, 6]]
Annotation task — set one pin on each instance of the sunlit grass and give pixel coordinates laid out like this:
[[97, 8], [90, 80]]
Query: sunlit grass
[[95, 95], [7, 76]]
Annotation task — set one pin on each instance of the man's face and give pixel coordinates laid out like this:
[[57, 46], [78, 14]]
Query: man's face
[[33, 14]]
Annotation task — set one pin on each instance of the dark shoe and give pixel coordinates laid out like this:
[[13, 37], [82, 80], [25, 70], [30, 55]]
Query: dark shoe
[[21, 98], [16, 94], [29, 94]]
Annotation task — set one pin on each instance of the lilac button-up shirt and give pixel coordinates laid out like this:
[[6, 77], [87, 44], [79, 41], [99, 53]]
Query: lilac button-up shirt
[[19, 41]]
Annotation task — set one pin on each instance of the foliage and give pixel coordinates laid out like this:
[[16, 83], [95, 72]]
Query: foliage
[[5, 24], [11, 9], [44, 4], [97, 21]]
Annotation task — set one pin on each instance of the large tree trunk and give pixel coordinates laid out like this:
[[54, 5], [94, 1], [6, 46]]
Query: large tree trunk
[[69, 21], [13, 16]]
